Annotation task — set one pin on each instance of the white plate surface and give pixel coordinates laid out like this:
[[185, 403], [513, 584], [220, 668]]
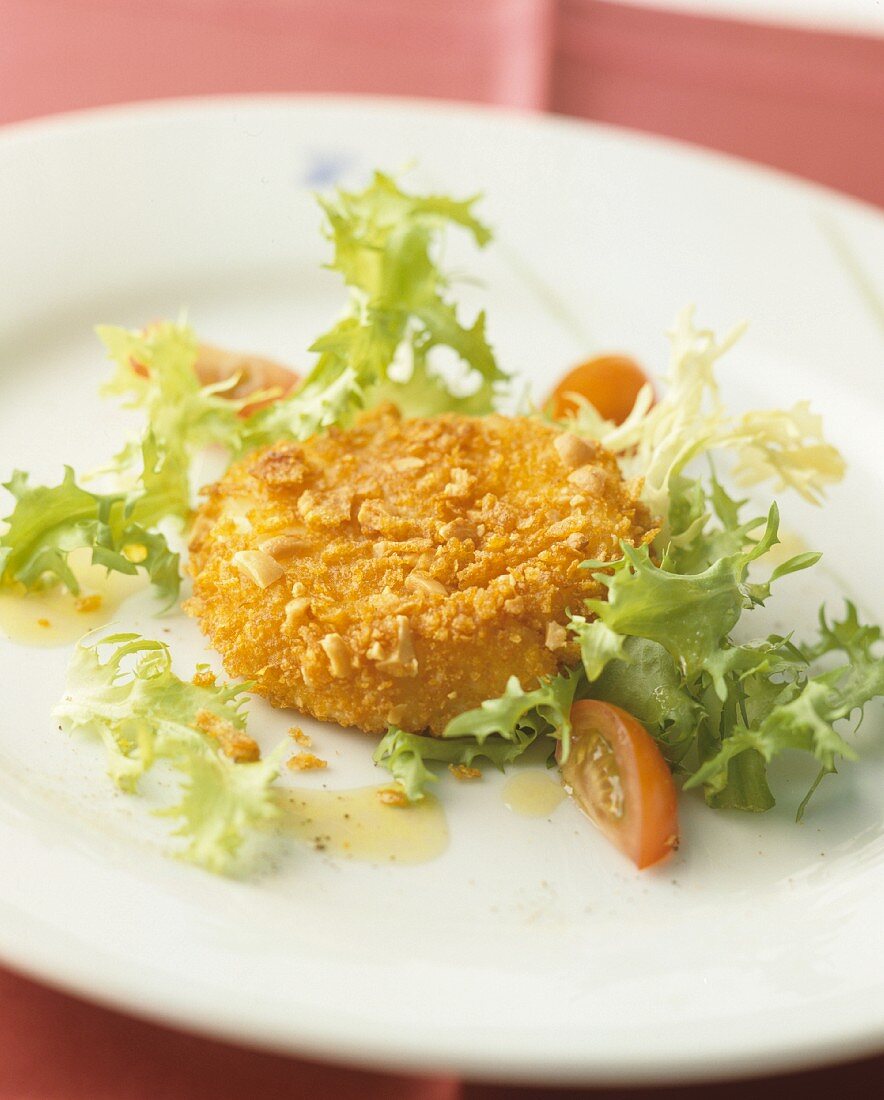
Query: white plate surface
[[529, 950]]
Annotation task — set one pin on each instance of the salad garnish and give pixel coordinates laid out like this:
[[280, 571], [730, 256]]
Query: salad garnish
[[49, 522], [385, 247], [499, 732], [143, 714], [668, 645]]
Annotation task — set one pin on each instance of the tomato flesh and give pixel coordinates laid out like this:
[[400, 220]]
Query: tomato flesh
[[609, 382], [254, 374], [617, 775]]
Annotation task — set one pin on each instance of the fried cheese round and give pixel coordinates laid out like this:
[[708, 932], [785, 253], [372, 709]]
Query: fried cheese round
[[399, 571]]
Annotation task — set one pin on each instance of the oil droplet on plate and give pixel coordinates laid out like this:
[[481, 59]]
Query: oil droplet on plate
[[55, 616], [533, 792], [357, 825]]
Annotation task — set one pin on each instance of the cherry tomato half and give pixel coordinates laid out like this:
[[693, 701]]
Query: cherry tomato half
[[619, 778], [610, 382], [255, 373]]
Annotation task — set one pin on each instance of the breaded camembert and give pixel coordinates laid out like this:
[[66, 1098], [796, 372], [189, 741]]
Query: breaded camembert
[[399, 571]]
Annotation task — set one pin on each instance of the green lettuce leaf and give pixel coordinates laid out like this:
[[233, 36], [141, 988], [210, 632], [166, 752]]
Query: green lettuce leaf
[[599, 645], [691, 614], [645, 681], [156, 373], [48, 522], [405, 755], [804, 713], [143, 712], [386, 243], [499, 730], [545, 709], [327, 397]]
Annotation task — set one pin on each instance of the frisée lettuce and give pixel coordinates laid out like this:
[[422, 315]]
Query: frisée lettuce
[[143, 713], [658, 440], [498, 731], [729, 707], [385, 247], [155, 372], [48, 522], [386, 244]]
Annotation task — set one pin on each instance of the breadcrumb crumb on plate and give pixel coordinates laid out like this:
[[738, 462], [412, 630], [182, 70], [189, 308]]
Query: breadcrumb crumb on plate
[[301, 738], [305, 762]]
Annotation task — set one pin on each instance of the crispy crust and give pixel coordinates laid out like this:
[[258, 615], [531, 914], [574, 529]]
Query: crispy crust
[[423, 563]]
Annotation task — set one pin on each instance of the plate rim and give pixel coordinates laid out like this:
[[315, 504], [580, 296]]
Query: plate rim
[[55, 969], [57, 122]]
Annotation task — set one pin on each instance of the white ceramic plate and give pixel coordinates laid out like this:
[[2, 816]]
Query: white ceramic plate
[[529, 950]]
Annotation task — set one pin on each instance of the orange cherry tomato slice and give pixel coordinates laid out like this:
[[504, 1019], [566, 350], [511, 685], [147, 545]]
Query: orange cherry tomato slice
[[254, 373], [609, 382], [618, 777]]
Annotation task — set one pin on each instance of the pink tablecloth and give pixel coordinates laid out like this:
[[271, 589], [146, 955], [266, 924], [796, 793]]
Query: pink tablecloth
[[810, 102], [54, 1047]]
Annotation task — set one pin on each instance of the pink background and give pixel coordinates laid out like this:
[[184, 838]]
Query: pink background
[[811, 102]]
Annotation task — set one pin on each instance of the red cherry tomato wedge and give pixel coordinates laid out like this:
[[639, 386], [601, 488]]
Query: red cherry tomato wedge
[[610, 382], [618, 777]]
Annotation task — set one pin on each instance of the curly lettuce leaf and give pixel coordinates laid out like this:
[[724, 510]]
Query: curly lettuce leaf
[[740, 684], [386, 243], [658, 441], [661, 647], [400, 314], [156, 373], [405, 755], [221, 802], [690, 614], [785, 447], [704, 526], [48, 522], [143, 713], [499, 730], [325, 398], [807, 709], [545, 709]]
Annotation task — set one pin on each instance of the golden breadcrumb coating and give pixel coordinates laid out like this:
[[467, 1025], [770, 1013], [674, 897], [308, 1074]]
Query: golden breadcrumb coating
[[398, 572]]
